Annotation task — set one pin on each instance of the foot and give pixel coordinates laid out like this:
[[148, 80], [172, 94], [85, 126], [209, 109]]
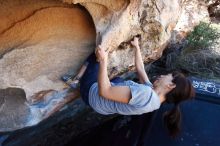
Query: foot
[[72, 81]]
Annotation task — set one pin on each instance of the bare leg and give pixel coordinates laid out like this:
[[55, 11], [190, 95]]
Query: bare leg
[[75, 79], [84, 66], [82, 70]]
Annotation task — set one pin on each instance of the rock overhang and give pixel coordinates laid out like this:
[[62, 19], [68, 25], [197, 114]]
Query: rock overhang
[[38, 50]]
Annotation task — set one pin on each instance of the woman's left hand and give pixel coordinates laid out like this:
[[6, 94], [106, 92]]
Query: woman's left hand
[[101, 54]]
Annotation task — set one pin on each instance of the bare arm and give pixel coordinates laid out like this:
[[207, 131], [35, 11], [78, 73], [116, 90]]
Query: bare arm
[[139, 62], [115, 93]]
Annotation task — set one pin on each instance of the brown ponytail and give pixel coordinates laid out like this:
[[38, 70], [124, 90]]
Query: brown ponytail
[[172, 120], [183, 91]]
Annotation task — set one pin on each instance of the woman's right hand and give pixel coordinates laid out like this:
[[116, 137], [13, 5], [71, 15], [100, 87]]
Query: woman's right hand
[[135, 42]]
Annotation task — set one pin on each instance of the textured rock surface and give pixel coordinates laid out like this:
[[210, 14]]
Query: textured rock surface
[[39, 42], [42, 40], [14, 100], [158, 22]]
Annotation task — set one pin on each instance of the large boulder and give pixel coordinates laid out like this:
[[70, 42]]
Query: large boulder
[[39, 42], [42, 40]]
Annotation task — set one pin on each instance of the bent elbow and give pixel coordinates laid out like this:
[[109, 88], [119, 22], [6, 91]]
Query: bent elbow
[[104, 92], [101, 93]]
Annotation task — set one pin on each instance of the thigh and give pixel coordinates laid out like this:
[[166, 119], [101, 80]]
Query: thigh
[[89, 78]]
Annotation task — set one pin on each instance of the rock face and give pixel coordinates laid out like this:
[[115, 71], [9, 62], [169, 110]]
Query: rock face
[[14, 100], [39, 42], [42, 40]]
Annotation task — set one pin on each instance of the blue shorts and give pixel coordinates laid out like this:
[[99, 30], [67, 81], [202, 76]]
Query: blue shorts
[[91, 76]]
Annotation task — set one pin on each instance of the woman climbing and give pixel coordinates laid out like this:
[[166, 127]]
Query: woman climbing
[[128, 97]]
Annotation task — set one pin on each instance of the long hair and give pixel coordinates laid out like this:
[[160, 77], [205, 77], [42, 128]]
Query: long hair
[[183, 91]]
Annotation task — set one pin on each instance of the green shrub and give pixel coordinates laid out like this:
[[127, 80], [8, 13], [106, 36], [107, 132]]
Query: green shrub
[[202, 37], [199, 56]]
